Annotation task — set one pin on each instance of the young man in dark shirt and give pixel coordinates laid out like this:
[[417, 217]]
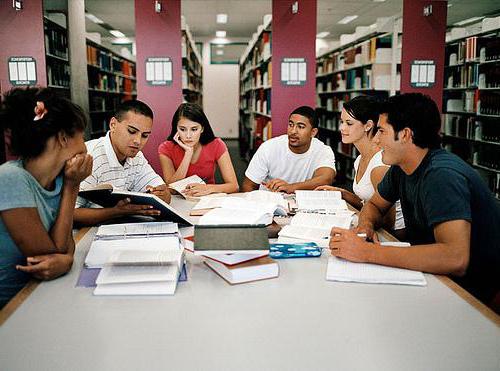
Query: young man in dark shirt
[[451, 217]]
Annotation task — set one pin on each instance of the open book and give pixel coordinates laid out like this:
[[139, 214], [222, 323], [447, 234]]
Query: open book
[[137, 266], [101, 250], [263, 202], [325, 201], [180, 185], [107, 196], [315, 227]]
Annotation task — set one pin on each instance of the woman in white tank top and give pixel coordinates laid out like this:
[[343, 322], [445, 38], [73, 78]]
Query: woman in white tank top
[[358, 126]]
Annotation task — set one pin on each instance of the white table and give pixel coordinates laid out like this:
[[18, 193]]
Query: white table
[[298, 321]]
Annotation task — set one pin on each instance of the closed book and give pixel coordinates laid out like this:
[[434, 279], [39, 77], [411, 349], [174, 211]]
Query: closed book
[[254, 270]]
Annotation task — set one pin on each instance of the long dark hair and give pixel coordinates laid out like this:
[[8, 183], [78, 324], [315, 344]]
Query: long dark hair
[[28, 137], [192, 112], [364, 108]]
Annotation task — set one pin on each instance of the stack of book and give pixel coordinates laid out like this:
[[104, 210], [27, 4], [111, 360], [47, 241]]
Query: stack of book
[[136, 259]]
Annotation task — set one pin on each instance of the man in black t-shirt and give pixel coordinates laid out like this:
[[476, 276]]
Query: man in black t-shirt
[[451, 217]]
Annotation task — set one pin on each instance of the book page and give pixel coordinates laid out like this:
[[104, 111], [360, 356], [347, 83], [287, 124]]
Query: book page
[[322, 221], [101, 249], [127, 274], [320, 200], [180, 185], [267, 197], [346, 271], [144, 256], [305, 233], [141, 229], [137, 288], [208, 203], [229, 216]]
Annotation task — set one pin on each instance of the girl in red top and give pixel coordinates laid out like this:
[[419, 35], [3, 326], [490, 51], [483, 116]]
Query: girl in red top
[[192, 148]]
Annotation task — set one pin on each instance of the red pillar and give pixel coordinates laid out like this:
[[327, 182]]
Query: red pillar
[[293, 36], [158, 35], [21, 36], [424, 39]]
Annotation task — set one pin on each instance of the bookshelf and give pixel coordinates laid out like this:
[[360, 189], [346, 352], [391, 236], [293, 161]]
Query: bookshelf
[[255, 125], [57, 57], [111, 80], [471, 103], [192, 70], [366, 65]]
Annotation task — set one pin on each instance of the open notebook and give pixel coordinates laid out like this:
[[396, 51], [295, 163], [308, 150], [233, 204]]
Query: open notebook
[[261, 201], [315, 227], [346, 271], [326, 201]]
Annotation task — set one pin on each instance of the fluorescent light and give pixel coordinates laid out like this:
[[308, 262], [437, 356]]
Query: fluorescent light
[[347, 19], [221, 18], [220, 40], [220, 33], [121, 40], [322, 34], [219, 52], [378, 1], [93, 18], [467, 21], [117, 33], [220, 45], [450, 5]]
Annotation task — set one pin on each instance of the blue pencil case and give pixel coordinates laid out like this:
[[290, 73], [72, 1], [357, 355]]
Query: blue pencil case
[[294, 250]]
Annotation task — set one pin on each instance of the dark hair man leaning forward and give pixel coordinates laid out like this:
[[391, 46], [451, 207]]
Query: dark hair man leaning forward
[[452, 219], [118, 161]]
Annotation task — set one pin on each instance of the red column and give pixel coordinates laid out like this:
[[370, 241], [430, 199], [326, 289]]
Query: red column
[[158, 35], [424, 39], [21, 36], [293, 36]]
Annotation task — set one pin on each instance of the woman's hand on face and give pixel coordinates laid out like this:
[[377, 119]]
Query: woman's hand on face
[[186, 148], [77, 169]]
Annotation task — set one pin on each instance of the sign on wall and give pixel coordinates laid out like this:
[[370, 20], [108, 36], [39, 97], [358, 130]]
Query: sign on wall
[[22, 71], [293, 71], [159, 71], [423, 73]]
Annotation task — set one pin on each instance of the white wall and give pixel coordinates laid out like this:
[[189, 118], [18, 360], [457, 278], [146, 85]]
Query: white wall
[[221, 94]]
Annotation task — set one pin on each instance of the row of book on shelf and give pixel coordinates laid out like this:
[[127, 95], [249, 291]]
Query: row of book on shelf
[[474, 49], [260, 53], [474, 101], [375, 50], [108, 62]]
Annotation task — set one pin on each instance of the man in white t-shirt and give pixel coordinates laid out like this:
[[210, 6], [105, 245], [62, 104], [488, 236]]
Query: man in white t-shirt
[[293, 161], [118, 161]]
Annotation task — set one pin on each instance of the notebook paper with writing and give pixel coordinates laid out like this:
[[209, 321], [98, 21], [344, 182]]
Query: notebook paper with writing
[[346, 271]]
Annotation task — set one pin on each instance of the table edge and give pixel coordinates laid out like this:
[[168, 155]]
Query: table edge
[[26, 291]]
